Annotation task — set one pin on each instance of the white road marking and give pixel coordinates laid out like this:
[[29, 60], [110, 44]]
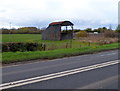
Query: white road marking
[[109, 54], [56, 75], [112, 54], [101, 83]]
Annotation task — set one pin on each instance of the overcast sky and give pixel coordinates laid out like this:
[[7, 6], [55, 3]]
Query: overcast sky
[[39, 13]]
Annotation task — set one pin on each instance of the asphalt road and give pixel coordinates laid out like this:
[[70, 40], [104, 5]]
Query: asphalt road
[[97, 78]]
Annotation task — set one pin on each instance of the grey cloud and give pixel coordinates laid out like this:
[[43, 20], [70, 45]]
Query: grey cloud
[[24, 14]]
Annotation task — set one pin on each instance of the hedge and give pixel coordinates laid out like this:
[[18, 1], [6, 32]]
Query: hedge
[[13, 47]]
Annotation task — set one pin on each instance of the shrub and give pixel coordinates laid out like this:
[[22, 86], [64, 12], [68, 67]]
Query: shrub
[[109, 33], [82, 34], [31, 46], [13, 47], [4, 47]]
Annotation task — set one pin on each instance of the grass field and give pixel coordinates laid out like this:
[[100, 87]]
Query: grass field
[[55, 49], [21, 38], [9, 57], [50, 45]]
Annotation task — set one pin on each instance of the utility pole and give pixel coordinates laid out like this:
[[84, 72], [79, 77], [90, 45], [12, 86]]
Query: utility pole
[[10, 31], [110, 27], [10, 25]]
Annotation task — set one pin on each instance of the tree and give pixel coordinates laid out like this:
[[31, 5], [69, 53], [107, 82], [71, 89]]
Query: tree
[[101, 30], [105, 28], [88, 30], [117, 31], [118, 28]]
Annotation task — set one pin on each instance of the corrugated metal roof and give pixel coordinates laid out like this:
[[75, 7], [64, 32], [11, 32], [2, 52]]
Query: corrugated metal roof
[[56, 23], [62, 23]]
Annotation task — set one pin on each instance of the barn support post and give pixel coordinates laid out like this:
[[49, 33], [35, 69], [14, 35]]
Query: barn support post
[[72, 30], [72, 37], [66, 28]]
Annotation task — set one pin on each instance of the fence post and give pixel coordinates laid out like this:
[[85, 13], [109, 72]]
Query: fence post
[[88, 43], [44, 47], [80, 44], [71, 43], [66, 45]]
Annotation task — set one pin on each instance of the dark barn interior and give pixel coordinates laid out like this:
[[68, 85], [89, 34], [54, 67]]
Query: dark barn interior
[[53, 31]]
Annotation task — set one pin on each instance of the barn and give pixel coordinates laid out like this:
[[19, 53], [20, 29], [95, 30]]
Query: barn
[[53, 31]]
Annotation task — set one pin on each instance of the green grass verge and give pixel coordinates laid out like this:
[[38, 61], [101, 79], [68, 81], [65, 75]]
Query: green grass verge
[[9, 57]]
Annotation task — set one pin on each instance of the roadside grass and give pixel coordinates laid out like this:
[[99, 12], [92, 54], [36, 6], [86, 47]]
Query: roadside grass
[[9, 57]]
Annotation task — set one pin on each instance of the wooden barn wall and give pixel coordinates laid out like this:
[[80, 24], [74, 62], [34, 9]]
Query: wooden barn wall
[[52, 33], [66, 36]]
